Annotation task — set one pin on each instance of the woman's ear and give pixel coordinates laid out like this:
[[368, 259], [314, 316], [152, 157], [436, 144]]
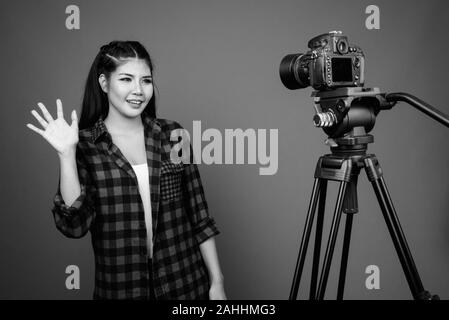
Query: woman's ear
[[103, 82]]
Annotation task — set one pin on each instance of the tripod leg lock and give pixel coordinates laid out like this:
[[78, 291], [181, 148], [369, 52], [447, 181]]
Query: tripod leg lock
[[333, 168], [372, 167]]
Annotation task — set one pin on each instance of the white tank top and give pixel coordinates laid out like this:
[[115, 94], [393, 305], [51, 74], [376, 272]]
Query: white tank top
[[143, 180]]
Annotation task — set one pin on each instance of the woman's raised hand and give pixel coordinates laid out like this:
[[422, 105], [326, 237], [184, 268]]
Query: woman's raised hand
[[57, 132]]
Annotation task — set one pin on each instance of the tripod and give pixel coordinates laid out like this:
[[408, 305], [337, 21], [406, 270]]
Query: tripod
[[344, 165]]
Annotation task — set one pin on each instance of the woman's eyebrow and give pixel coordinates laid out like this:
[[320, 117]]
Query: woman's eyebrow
[[130, 75]]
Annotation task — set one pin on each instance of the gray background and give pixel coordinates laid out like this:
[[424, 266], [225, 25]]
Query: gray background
[[217, 61]]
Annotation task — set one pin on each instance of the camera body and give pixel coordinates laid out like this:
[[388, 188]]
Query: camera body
[[330, 63]]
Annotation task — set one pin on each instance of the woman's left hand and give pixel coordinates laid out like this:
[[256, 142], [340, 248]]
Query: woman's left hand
[[216, 291]]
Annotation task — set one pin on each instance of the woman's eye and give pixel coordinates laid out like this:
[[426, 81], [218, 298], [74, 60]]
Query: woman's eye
[[147, 81], [125, 79]]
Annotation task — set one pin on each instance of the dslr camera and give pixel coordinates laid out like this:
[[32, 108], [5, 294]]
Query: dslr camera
[[330, 63]]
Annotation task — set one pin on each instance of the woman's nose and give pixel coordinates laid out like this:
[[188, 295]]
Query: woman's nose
[[137, 88]]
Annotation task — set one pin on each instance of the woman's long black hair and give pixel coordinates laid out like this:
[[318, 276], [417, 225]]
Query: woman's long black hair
[[95, 101]]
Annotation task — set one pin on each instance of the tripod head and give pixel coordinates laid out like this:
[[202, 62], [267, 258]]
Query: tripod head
[[348, 114]]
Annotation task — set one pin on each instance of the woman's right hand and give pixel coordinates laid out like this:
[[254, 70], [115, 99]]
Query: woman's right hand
[[57, 132]]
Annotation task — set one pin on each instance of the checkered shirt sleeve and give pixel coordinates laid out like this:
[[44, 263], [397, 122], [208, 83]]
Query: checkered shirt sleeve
[[74, 221], [203, 224]]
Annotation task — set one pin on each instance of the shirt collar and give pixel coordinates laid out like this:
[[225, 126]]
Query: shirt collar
[[100, 129]]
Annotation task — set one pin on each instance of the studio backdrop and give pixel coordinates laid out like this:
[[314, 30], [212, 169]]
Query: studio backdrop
[[217, 71]]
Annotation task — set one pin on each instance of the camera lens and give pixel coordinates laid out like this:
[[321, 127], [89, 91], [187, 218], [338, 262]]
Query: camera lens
[[342, 46], [294, 72]]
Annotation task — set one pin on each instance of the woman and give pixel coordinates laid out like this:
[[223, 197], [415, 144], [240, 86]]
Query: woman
[[151, 232]]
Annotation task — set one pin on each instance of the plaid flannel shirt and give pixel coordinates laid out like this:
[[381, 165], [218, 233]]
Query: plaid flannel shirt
[[110, 207]]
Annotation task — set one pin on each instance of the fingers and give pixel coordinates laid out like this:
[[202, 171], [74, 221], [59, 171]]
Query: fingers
[[59, 111], [43, 123], [39, 131], [46, 114], [74, 119]]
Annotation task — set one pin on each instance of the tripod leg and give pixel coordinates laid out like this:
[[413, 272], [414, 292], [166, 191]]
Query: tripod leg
[[344, 258], [350, 207], [318, 237], [332, 239], [375, 176], [305, 238]]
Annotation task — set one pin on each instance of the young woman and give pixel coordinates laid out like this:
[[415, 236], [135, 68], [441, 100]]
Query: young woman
[[151, 232]]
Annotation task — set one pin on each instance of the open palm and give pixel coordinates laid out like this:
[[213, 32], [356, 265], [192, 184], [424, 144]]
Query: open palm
[[62, 136]]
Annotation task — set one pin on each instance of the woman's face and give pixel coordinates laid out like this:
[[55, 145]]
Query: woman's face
[[130, 88]]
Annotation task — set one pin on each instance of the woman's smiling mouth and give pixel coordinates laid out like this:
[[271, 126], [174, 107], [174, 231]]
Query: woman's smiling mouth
[[135, 102]]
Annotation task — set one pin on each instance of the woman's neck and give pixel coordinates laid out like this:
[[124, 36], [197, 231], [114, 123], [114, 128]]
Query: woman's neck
[[120, 125]]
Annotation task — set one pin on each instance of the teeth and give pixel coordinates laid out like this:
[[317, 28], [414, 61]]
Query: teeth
[[134, 101]]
